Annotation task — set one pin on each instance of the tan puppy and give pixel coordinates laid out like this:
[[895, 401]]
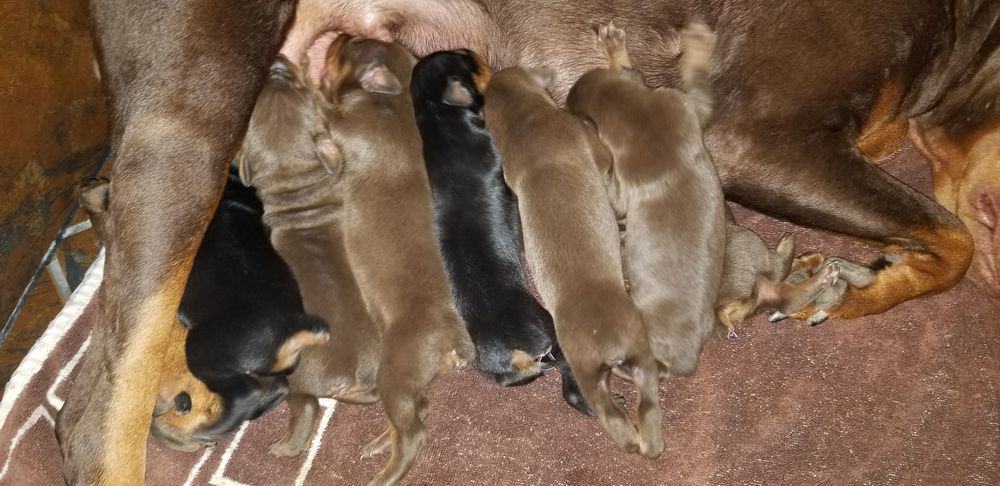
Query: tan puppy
[[550, 160], [389, 234], [664, 185], [288, 156]]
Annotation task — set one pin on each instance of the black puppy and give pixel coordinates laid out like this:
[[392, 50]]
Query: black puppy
[[477, 225], [245, 320]]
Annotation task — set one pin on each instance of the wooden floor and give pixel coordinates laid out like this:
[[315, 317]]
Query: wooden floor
[[76, 254]]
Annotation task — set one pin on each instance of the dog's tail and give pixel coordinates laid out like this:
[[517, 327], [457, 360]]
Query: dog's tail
[[698, 43]]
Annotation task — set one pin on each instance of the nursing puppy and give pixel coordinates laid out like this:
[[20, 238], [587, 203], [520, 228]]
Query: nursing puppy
[[551, 160], [812, 267], [245, 325], [664, 185], [477, 224], [388, 229], [287, 157]]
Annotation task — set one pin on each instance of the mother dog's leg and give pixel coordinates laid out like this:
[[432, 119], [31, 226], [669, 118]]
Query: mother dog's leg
[[817, 178], [182, 76]]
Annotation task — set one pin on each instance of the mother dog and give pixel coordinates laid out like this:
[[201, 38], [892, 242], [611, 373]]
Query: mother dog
[[808, 93]]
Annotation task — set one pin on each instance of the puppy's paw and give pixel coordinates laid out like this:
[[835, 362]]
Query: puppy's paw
[[818, 318], [380, 445], [284, 448], [611, 41]]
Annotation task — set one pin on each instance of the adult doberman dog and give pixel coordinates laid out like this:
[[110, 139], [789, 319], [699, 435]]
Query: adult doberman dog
[[808, 93]]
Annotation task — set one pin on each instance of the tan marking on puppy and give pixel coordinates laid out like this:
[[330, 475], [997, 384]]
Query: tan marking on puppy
[[176, 428], [524, 363], [289, 352], [551, 161], [483, 72]]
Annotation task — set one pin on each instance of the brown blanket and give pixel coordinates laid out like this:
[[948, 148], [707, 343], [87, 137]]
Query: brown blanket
[[910, 396]]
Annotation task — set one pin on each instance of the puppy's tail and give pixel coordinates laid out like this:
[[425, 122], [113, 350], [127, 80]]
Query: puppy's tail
[[698, 42]]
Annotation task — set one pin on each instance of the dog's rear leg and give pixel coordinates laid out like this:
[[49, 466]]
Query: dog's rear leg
[[182, 76], [406, 434], [301, 425], [646, 378], [594, 379], [816, 179]]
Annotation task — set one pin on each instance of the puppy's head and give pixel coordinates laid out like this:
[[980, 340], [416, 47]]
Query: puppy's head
[[450, 80], [184, 404], [288, 140], [380, 68], [190, 414]]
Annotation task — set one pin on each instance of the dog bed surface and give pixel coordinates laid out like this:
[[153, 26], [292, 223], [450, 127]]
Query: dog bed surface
[[911, 396]]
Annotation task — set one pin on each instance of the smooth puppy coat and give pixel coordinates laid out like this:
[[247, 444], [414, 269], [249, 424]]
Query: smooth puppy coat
[[287, 156], [389, 234], [551, 161], [663, 184], [477, 224]]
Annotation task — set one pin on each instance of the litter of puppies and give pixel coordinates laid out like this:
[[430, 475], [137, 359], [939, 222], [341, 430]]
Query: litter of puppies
[[394, 219]]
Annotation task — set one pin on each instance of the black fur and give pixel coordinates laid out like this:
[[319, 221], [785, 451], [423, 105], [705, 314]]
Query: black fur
[[477, 226], [241, 304]]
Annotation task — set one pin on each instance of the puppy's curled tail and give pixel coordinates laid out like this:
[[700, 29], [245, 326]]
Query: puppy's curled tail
[[698, 43]]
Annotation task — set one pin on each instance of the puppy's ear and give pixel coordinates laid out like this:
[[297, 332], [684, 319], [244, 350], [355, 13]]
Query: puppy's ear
[[377, 78], [243, 168], [542, 76], [457, 94], [327, 152], [336, 68], [987, 206]]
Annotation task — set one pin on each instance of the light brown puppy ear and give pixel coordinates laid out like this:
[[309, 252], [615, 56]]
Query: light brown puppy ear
[[542, 76], [327, 152], [457, 94], [377, 78], [243, 168], [335, 69]]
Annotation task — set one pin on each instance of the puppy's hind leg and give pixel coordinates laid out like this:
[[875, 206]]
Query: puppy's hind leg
[[611, 41], [406, 433], [646, 378], [594, 379], [301, 425]]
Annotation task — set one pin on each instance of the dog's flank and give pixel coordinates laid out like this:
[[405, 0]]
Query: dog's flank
[[477, 224], [288, 156], [551, 161]]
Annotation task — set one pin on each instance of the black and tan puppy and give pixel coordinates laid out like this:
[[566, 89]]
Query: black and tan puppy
[[551, 160], [244, 320], [477, 224], [388, 230], [289, 158], [664, 185]]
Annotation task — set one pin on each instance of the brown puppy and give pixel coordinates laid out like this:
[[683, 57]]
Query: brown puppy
[[550, 161], [389, 234], [664, 185], [288, 157], [812, 267]]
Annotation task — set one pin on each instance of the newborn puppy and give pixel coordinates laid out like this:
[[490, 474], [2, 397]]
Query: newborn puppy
[[477, 223], [287, 156], [812, 267], [244, 320], [664, 185], [388, 230], [551, 161]]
